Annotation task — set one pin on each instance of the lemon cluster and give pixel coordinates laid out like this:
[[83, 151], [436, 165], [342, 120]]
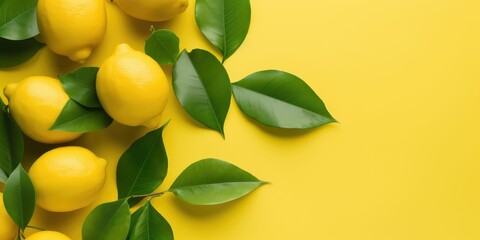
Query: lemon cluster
[[73, 28], [72, 177]]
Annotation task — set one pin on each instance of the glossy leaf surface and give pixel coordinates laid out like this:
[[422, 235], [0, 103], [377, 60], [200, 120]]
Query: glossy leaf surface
[[224, 23], [280, 99], [151, 225], [77, 118], [80, 86], [108, 221], [19, 197], [202, 86], [212, 181], [163, 46], [142, 167], [18, 19]]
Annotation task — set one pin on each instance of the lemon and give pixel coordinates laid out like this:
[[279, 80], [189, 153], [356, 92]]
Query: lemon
[[132, 88], [153, 10], [8, 229], [35, 104], [67, 178], [48, 235], [72, 28]]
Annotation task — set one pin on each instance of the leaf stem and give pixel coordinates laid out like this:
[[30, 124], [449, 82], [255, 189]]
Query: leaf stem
[[152, 28], [37, 228], [158, 194]]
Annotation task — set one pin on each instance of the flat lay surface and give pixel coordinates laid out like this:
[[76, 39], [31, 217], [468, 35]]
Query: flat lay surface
[[401, 77]]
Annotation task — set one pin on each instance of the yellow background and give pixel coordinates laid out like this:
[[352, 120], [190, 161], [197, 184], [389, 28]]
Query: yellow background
[[402, 78]]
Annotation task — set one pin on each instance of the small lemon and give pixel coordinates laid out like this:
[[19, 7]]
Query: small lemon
[[67, 178], [35, 104], [8, 229], [72, 28], [153, 10], [132, 88], [48, 235]]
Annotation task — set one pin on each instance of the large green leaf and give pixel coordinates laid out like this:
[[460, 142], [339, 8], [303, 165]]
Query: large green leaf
[[142, 167], [13, 53], [151, 225], [213, 181], [80, 85], [163, 46], [108, 221], [77, 118], [280, 99], [11, 142], [202, 86], [224, 23], [19, 197], [18, 19]]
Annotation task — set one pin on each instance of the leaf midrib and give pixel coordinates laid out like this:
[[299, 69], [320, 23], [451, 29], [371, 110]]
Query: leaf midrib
[[206, 93], [165, 48], [110, 220], [287, 103], [212, 184], [6, 21], [143, 165], [224, 32], [55, 127]]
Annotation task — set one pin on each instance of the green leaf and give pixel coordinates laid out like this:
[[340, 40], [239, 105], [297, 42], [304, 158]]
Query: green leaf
[[280, 99], [212, 181], [13, 53], [3, 176], [80, 86], [163, 46], [143, 166], [18, 19], [19, 197], [11, 142], [108, 221], [202, 86], [77, 118], [151, 225], [134, 219], [224, 23]]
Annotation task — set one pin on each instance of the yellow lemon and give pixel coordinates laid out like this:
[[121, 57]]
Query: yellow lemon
[[35, 104], [67, 178], [8, 229], [48, 235], [72, 28], [132, 88], [153, 10]]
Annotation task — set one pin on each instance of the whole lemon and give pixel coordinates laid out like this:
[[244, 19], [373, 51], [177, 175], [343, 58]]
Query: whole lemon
[[35, 104], [153, 10], [132, 88], [67, 178], [72, 28], [8, 229], [48, 235]]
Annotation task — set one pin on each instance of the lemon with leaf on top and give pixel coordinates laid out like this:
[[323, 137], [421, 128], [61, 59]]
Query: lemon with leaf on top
[[8, 229], [67, 178], [48, 235], [35, 103], [132, 88], [153, 10], [72, 28]]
